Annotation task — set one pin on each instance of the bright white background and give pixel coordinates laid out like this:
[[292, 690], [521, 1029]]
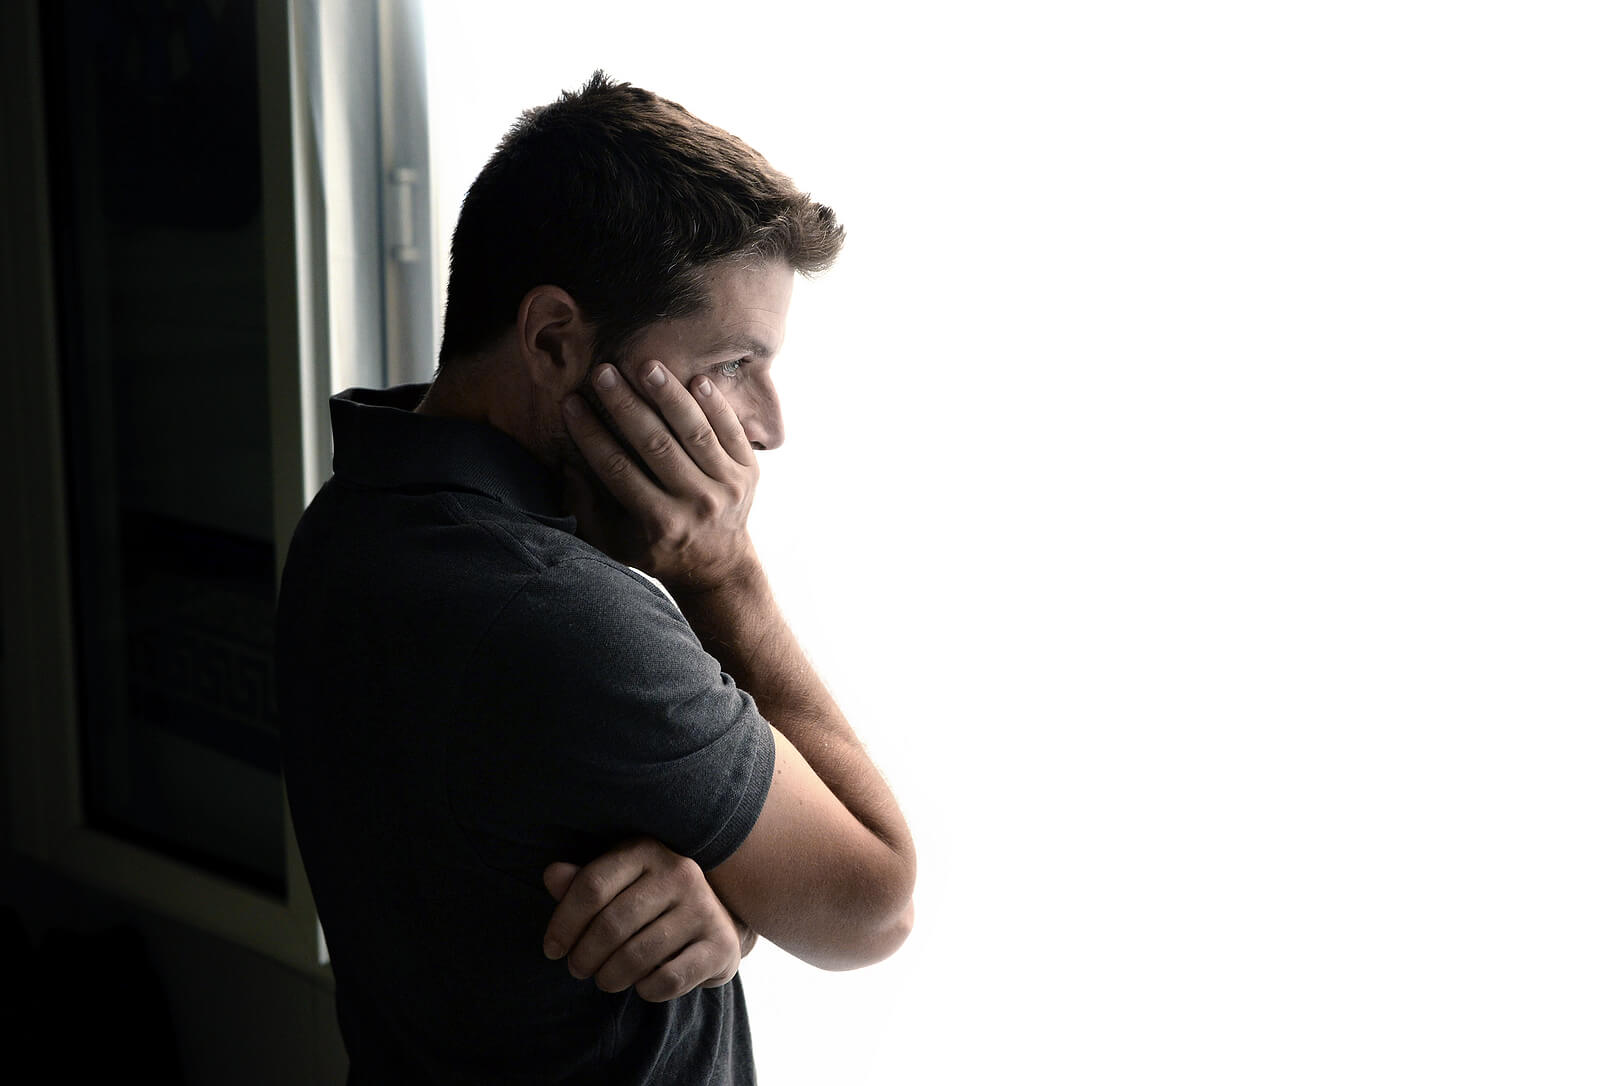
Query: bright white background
[[1191, 495]]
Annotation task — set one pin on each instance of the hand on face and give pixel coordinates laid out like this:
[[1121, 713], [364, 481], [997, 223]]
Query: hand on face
[[683, 520]]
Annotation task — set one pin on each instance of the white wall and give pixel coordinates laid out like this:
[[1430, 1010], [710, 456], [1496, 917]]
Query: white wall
[[1191, 495]]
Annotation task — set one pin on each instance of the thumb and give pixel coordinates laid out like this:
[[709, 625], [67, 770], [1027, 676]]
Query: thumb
[[558, 879]]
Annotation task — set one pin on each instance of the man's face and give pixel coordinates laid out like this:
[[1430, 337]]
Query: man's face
[[733, 341]]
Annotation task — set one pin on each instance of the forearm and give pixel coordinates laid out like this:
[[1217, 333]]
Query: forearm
[[828, 870], [739, 622]]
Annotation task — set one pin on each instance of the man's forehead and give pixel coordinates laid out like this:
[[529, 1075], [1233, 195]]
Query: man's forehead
[[746, 311], [750, 282]]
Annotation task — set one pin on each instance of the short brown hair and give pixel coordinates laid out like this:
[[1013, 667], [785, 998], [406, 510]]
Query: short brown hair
[[622, 199]]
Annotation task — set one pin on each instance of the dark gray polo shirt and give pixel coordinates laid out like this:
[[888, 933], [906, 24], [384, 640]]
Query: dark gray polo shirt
[[468, 692]]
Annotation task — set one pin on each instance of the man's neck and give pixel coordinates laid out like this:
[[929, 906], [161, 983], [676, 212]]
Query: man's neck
[[484, 389], [453, 394]]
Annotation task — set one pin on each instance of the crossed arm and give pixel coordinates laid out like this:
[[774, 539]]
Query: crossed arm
[[827, 873]]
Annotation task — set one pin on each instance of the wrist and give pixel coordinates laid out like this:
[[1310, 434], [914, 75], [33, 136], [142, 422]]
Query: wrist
[[733, 610], [732, 584]]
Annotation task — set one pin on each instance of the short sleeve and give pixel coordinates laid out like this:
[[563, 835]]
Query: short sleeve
[[590, 707]]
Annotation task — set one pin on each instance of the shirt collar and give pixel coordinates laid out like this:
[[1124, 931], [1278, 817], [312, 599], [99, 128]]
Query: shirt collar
[[380, 441]]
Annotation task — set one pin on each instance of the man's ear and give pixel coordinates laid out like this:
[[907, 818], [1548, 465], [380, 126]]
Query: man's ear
[[554, 342]]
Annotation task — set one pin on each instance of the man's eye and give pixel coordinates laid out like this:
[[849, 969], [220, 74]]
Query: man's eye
[[729, 369]]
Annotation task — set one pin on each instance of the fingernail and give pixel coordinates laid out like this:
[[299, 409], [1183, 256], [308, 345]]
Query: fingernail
[[702, 388], [552, 949], [572, 406], [606, 378], [657, 376]]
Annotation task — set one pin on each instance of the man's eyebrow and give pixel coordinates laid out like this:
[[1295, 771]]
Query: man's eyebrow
[[744, 344]]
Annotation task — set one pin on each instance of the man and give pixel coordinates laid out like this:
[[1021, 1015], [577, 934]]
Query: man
[[479, 694]]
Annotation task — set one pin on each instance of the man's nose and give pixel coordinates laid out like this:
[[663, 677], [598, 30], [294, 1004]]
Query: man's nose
[[764, 426]]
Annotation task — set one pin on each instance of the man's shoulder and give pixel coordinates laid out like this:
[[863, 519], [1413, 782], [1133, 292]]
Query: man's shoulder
[[459, 533], [532, 542], [456, 573], [556, 565]]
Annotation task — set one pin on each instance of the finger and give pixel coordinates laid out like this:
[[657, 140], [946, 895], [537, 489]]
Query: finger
[[724, 420], [610, 464], [686, 411], [702, 964], [559, 876], [628, 915], [645, 430], [649, 948], [590, 891]]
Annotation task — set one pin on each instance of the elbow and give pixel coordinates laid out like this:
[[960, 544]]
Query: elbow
[[895, 933], [872, 943], [881, 927], [891, 924], [901, 913]]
